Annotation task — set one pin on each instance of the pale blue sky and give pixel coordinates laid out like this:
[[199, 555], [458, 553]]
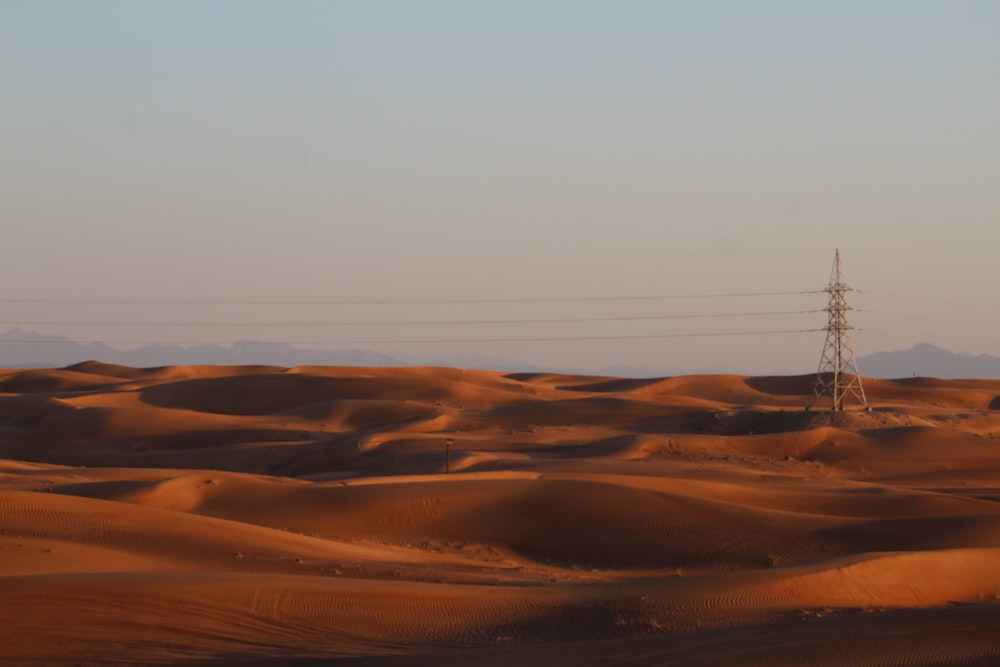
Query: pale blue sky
[[374, 150]]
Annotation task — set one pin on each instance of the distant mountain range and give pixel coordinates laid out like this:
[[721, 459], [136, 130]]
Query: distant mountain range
[[19, 348], [927, 360], [28, 349]]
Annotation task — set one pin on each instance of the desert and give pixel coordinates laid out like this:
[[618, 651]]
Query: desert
[[263, 515]]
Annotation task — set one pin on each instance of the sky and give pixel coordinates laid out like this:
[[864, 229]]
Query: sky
[[392, 174]]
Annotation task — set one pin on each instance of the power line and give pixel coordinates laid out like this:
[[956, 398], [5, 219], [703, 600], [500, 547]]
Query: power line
[[929, 299], [912, 334], [563, 320], [431, 341], [393, 302], [926, 318]]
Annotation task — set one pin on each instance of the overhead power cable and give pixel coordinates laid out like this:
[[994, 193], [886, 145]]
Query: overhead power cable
[[922, 298], [391, 302], [927, 318], [910, 334], [562, 320], [431, 341]]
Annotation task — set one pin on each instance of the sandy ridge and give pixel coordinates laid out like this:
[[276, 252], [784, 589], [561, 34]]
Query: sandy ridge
[[183, 514]]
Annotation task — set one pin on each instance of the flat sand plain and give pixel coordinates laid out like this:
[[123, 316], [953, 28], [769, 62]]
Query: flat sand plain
[[307, 516]]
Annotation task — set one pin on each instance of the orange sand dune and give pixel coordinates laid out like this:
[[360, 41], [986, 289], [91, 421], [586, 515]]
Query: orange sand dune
[[267, 516]]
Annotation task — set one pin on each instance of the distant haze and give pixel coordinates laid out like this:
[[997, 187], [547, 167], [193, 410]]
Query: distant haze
[[21, 349], [409, 178]]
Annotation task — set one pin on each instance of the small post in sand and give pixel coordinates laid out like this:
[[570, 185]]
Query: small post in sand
[[447, 460]]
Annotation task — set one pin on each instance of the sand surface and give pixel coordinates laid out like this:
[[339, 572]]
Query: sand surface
[[269, 516]]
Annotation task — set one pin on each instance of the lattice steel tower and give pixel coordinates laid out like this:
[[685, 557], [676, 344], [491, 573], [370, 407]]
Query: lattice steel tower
[[838, 375]]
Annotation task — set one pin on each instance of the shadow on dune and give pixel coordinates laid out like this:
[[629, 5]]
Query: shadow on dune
[[961, 636], [918, 533], [107, 490], [783, 385], [22, 411], [574, 412], [732, 422], [55, 381], [612, 385], [249, 395]]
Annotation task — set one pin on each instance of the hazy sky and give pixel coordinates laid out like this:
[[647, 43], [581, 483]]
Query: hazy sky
[[447, 150]]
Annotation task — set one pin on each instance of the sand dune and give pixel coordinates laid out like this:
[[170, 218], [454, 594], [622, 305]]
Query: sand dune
[[264, 515]]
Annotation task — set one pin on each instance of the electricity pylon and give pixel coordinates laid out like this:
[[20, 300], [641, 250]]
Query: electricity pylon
[[838, 375]]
